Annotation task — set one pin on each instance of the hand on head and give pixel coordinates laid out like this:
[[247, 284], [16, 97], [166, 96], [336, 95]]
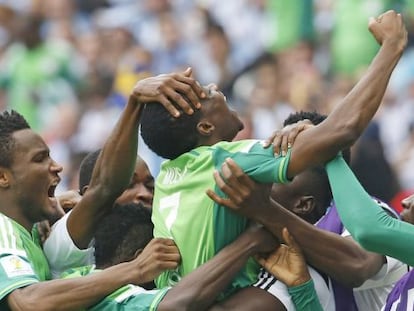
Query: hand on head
[[171, 90]]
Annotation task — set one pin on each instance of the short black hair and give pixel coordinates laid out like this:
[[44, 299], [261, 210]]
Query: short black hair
[[121, 233], [167, 136], [315, 118], [10, 122], [86, 169], [319, 182]]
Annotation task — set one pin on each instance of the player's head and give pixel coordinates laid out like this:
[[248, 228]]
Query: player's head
[[86, 169], [122, 234], [28, 175], [309, 194], [140, 189], [10, 122], [170, 137], [315, 118]]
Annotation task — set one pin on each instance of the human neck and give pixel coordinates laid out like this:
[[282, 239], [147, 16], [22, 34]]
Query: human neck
[[208, 141], [13, 211]]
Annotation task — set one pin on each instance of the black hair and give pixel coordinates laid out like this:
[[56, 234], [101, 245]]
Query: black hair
[[318, 182], [123, 231], [315, 118], [167, 136], [86, 169], [10, 122]]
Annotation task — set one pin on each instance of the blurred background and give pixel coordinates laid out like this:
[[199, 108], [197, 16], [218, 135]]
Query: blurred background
[[68, 66]]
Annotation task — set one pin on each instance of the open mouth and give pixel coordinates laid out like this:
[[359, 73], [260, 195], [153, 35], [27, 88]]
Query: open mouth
[[51, 191]]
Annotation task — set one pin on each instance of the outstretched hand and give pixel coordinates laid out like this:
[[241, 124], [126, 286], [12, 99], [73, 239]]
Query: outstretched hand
[[389, 27], [173, 91], [287, 263]]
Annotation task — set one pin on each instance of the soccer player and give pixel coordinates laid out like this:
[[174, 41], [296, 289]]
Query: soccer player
[[28, 178], [199, 143], [337, 256], [127, 231], [59, 247]]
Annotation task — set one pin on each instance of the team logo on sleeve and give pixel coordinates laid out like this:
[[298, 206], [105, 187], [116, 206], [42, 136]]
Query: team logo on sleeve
[[15, 266]]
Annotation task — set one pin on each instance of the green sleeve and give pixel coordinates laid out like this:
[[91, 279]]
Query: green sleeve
[[368, 223], [259, 163], [304, 297]]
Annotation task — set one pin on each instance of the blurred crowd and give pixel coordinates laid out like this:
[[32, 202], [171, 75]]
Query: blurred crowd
[[68, 66]]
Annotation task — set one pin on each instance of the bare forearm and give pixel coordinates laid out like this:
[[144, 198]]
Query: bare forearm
[[360, 105], [338, 257], [199, 289], [115, 164], [69, 294], [111, 175], [349, 119]]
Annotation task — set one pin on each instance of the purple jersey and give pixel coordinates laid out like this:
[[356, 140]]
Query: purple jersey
[[344, 296], [401, 297]]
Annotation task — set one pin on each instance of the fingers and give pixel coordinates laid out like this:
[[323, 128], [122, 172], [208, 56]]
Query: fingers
[[195, 86], [229, 191], [271, 139], [290, 241], [219, 200], [178, 92], [235, 175], [287, 237]]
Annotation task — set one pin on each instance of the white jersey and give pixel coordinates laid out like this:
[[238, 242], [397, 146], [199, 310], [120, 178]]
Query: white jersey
[[373, 293], [279, 290], [62, 253]]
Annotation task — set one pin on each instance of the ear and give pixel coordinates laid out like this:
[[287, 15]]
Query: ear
[[83, 190], [4, 177], [304, 206], [205, 128]]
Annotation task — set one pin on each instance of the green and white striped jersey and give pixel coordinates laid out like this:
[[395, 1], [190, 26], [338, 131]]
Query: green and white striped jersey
[[22, 261], [200, 227]]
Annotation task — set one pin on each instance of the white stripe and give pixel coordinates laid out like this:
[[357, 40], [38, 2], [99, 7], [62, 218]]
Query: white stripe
[[250, 145], [4, 232], [133, 291], [12, 236]]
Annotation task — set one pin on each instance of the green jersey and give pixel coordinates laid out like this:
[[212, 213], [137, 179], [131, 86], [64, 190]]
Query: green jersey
[[129, 297], [199, 226], [22, 261]]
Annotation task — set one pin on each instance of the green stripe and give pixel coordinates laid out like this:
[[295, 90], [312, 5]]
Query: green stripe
[[281, 176]]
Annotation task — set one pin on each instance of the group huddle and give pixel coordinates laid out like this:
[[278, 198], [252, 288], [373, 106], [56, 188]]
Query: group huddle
[[227, 225]]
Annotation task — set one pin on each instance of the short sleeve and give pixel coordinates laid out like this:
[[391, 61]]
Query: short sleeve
[[258, 162], [16, 270], [62, 253]]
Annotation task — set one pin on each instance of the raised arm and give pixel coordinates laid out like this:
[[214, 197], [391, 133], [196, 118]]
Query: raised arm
[[348, 120], [199, 289], [116, 162], [341, 258]]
